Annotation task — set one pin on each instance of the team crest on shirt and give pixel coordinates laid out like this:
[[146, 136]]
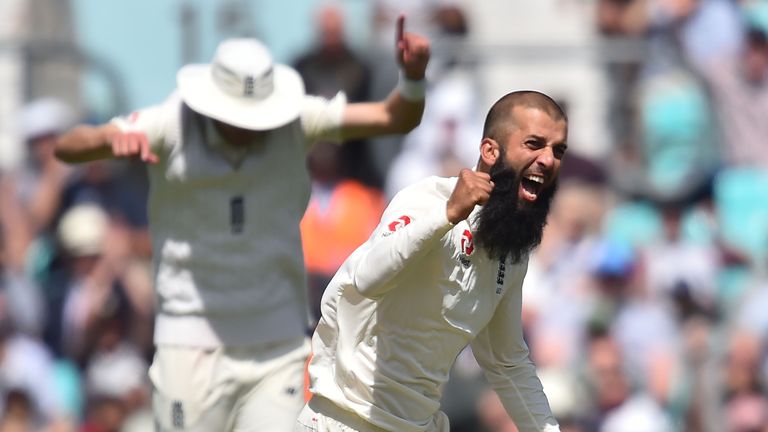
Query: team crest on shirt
[[467, 247], [397, 224]]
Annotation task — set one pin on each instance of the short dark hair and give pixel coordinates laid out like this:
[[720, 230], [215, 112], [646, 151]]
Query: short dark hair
[[496, 124]]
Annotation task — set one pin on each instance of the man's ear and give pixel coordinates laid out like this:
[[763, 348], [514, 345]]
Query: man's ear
[[489, 151]]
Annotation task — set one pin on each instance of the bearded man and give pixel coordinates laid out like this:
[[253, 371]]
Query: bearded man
[[443, 269]]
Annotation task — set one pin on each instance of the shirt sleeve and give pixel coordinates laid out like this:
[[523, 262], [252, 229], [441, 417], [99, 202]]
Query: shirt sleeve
[[412, 225], [503, 354], [321, 118], [154, 121]]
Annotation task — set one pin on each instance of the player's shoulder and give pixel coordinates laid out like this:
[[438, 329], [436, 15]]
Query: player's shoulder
[[432, 187], [435, 185]]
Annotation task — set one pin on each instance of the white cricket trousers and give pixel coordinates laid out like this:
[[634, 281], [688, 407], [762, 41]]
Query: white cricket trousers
[[322, 415], [229, 389]]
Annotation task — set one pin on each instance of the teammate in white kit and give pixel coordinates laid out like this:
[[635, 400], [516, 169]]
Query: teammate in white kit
[[443, 269], [228, 187]]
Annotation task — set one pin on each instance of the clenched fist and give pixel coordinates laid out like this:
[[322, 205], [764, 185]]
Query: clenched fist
[[471, 189]]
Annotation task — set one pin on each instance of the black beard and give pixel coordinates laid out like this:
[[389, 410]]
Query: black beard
[[506, 225]]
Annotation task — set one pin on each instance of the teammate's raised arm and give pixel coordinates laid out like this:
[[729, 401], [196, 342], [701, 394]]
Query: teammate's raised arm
[[401, 111]]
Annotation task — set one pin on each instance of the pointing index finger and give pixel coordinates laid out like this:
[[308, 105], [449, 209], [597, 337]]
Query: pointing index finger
[[399, 28]]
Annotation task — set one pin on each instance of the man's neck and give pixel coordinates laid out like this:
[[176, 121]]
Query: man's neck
[[237, 137]]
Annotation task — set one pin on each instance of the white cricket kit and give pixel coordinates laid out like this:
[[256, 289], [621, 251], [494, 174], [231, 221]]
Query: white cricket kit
[[229, 271], [224, 222], [404, 305]]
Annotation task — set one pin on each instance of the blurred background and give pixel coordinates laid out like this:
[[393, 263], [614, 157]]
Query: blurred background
[[646, 305]]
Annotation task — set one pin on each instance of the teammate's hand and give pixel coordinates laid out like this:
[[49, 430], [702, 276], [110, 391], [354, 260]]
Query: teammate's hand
[[472, 188], [130, 144], [412, 51]]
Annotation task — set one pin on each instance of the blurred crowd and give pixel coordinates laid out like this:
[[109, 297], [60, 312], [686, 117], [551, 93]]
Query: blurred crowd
[[644, 307]]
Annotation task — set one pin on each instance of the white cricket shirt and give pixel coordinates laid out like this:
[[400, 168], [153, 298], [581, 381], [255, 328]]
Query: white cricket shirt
[[224, 222], [404, 305]]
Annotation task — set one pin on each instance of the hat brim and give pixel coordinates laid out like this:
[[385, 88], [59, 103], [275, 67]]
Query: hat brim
[[198, 90]]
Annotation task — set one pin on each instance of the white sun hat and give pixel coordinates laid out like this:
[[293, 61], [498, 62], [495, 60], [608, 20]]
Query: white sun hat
[[243, 87]]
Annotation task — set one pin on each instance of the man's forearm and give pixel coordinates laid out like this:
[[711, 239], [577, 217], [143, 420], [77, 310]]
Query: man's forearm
[[521, 393], [405, 109], [394, 115], [397, 245], [86, 143]]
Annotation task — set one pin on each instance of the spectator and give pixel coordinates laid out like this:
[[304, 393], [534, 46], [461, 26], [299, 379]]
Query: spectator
[[341, 215], [21, 297], [332, 66], [618, 406], [739, 85], [43, 179], [675, 127], [26, 374]]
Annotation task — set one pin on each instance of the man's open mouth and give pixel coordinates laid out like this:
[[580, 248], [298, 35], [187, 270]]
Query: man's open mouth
[[531, 185]]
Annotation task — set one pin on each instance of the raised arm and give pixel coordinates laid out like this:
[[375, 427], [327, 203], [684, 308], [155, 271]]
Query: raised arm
[[411, 227], [401, 111], [88, 143]]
